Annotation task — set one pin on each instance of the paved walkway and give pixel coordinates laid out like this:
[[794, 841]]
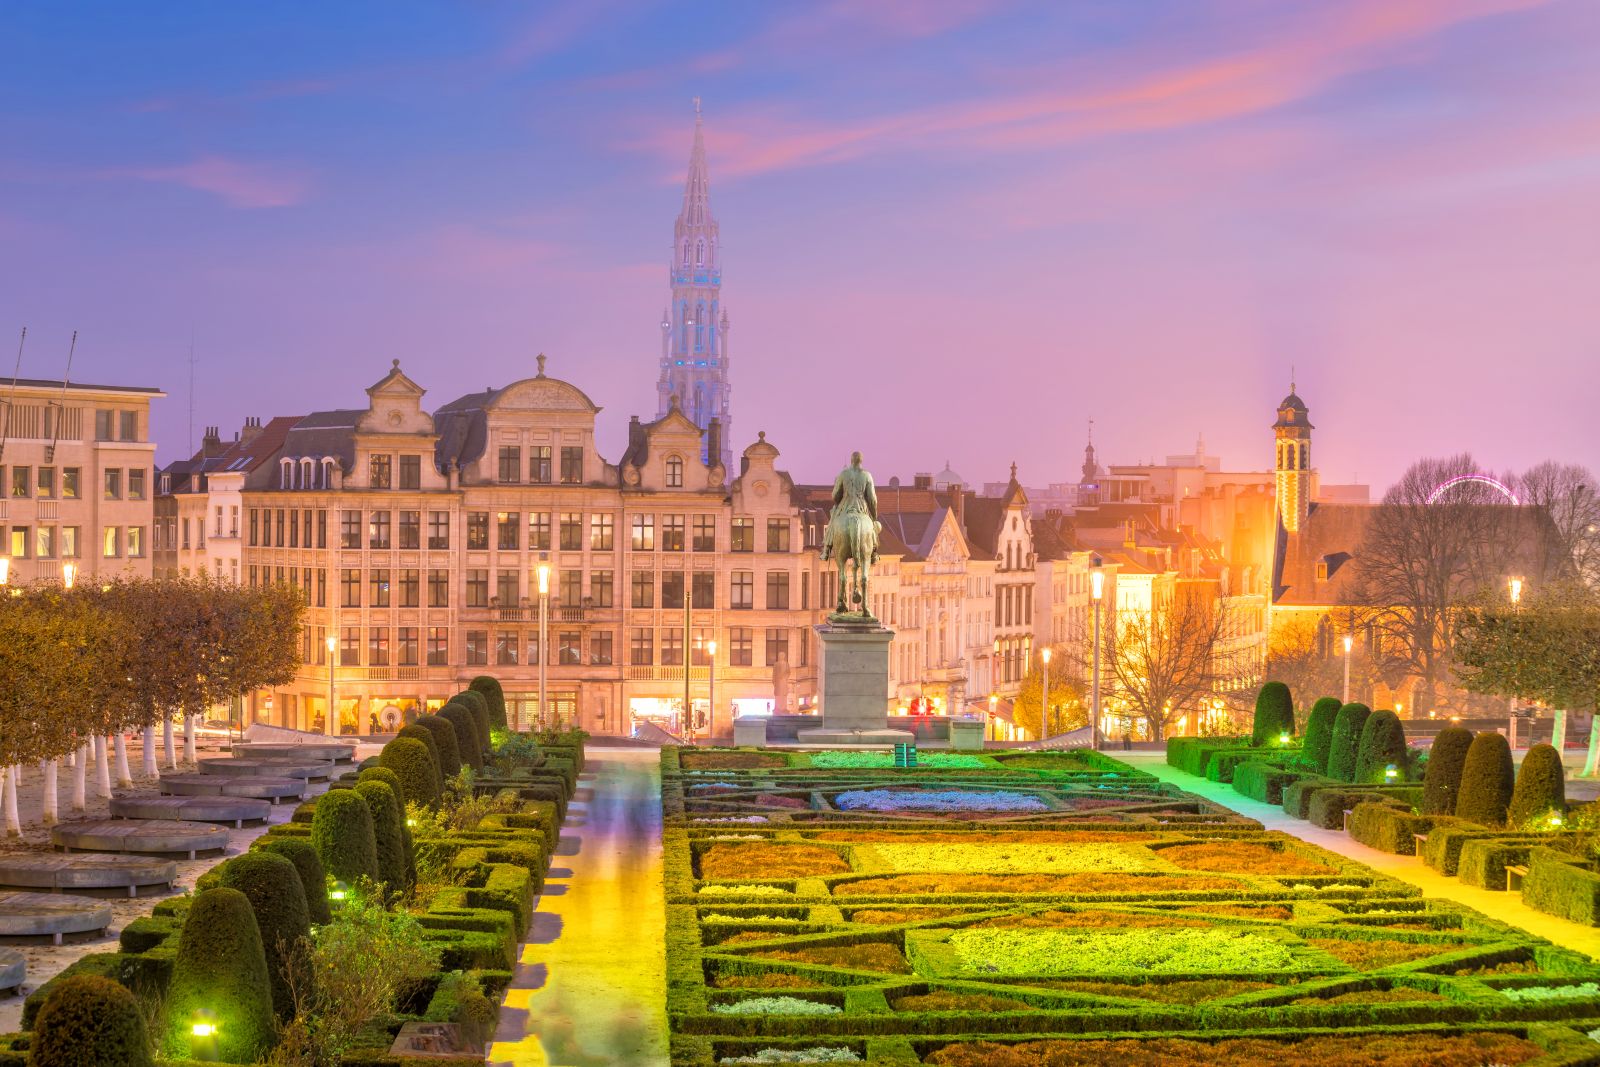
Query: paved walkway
[[590, 990], [1507, 907]]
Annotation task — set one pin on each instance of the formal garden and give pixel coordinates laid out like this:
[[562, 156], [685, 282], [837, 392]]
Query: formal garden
[[384, 918], [1062, 908], [1462, 805]]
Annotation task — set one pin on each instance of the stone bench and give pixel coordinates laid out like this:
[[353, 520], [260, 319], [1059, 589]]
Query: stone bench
[[33, 870], [235, 810], [155, 836], [50, 915], [13, 970], [311, 770], [333, 751], [1515, 873], [222, 785]]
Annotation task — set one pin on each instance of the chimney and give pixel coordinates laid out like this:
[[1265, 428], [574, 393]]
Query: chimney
[[252, 429], [714, 443], [958, 504], [211, 443], [922, 481], [635, 435]]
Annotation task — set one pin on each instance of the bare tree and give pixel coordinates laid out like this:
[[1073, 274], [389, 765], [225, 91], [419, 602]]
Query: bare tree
[[1570, 496], [1305, 654], [1166, 661]]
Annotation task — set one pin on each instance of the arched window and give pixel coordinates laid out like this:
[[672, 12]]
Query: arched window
[[327, 473], [686, 252], [308, 473], [286, 474], [674, 472], [700, 252]]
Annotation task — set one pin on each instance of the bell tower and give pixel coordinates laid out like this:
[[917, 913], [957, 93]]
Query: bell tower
[[1292, 435]]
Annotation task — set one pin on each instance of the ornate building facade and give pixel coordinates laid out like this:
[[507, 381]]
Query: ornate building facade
[[694, 328]]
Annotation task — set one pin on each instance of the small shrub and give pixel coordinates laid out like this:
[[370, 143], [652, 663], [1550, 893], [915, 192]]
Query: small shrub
[[1274, 715], [388, 834], [87, 1019], [1441, 782], [408, 758], [1487, 776], [221, 967], [1382, 744], [1319, 733], [342, 834], [1342, 746], [489, 686], [272, 885], [313, 879], [1541, 787], [467, 741], [444, 739]]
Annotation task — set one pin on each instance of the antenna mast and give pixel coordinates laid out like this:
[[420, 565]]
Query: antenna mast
[[5, 435], [191, 392], [55, 435]]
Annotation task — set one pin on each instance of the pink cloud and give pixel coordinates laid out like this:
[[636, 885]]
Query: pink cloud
[[237, 183], [1304, 59]]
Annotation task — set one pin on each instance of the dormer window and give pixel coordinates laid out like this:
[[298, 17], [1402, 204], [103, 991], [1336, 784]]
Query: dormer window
[[674, 472], [1322, 570]]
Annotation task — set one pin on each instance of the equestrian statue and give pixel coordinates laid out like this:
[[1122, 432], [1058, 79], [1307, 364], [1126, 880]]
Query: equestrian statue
[[852, 537]]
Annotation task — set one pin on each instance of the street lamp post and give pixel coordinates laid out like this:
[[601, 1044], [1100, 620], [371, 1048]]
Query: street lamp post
[[544, 633], [1348, 641], [990, 728], [711, 690], [69, 574], [1044, 696], [333, 700], [1511, 701], [1097, 589]]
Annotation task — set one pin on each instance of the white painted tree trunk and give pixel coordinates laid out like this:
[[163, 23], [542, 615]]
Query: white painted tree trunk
[[166, 741], [1590, 764], [119, 742], [102, 768], [150, 770], [50, 811], [80, 779], [13, 820], [188, 739]]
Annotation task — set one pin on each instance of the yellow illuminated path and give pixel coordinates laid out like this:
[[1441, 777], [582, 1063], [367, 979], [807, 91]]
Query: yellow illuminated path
[[590, 989], [1507, 907]]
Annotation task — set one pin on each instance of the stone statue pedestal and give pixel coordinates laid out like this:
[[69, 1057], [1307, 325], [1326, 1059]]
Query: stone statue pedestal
[[855, 685]]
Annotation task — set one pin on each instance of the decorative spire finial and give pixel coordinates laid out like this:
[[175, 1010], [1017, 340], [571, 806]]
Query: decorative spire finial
[[541, 364], [1291, 378], [697, 111], [1013, 470], [395, 365]]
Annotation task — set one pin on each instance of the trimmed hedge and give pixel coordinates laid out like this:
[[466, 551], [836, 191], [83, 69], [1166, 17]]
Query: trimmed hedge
[[343, 836], [444, 740], [87, 1020], [313, 879], [1484, 861], [1382, 745], [388, 834], [408, 759], [1221, 765], [1347, 727], [1562, 884], [468, 744], [1447, 843], [1319, 732], [272, 885], [1297, 794], [1541, 786], [1274, 715], [489, 686], [1382, 825], [1486, 781], [1441, 781], [221, 967], [1262, 781]]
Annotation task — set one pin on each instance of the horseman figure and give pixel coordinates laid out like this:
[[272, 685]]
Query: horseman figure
[[852, 536]]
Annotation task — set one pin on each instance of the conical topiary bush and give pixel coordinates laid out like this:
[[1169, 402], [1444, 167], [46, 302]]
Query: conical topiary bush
[[1441, 781], [444, 737], [344, 838], [1541, 787], [388, 825], [313, 879], [220, 973], [1347, 727], [272, 885], [1319, 733], [1382, 745], [408, 758], [1274, 715], [489, 686], [86, 1020], [467, 743], [1486, 781]]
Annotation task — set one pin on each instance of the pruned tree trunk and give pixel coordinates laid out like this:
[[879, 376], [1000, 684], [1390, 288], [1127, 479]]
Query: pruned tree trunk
[[1558, 730], [1590, 764], [50, 810], [80, 779], [166, 742], [13, 820], [102, 769], [120, 744], [150, 770], [188, 739]]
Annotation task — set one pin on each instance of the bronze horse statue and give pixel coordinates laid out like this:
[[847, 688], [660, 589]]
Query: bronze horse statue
[[852, 536]]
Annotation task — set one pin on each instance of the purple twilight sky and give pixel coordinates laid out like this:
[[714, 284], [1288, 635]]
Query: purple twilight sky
[[953, 229]]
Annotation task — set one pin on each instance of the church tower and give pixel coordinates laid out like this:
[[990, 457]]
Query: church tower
[[694, 329], [1293, 467]]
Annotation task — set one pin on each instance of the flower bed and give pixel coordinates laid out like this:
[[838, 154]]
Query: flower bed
[[846, 759], [770, 861], [776, 1006], [936, 800], [1241, 858], [938, 884], [1014, 859], [1168, 951], [1469, 1050]]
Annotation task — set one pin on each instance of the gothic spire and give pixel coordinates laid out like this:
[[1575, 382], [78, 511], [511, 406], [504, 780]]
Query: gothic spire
[[697, 187]]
